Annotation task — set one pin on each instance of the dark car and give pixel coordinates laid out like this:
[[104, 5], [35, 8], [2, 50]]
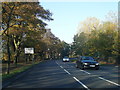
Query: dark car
[[87, 62]]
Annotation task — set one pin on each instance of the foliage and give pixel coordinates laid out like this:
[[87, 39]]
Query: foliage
[[100, 42], [20, 19]]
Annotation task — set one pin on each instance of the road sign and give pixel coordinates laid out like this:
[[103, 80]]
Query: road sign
[[29, 50]]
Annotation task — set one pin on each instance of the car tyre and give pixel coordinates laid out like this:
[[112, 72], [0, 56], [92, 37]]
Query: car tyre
[[82, 68], [97, 68]]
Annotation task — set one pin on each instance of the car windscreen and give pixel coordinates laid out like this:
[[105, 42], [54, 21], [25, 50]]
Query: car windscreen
[[66, 58], [87, 58]]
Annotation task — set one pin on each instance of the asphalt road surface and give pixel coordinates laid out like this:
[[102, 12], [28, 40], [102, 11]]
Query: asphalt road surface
[[58, 74]]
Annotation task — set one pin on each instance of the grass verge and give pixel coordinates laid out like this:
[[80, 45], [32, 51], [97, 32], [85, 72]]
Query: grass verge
[[73, 60], [17, 71]]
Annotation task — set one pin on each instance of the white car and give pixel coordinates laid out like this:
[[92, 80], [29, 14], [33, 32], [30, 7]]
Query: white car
[[66, 59]]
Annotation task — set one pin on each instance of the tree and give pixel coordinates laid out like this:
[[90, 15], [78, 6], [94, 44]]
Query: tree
[[22, 16], [97, 39], [54, 45], [80, 43], [65, 49], [88, 25]]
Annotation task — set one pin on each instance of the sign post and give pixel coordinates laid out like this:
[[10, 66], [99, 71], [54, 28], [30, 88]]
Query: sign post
[[28, 52]]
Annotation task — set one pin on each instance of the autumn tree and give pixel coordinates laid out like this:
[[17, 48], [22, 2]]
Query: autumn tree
[[97, 39], [18, 19], [89, 24]]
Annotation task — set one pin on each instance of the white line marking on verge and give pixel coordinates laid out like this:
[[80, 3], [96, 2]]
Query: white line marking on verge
[[81, 83], [85, 71], [67, 72], [109, 81]]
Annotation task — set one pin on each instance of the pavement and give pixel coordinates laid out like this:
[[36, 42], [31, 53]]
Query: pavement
[[58, 74]]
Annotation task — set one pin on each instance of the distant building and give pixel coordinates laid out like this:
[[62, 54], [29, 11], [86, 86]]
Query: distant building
[[48, 34]]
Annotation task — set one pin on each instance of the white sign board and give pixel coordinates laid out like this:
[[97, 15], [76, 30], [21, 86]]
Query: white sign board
[[29, 50]]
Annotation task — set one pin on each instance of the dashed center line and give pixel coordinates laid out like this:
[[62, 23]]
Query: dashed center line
[[85, 71], [75, 78], [81, 83], [67, 72], [61, 66], [57, 63], [109, 81]]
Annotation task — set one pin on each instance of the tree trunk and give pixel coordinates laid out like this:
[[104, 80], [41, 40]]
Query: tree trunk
[[16, 59], [9, 59], [8, 39], [118, 60], [16, 55]]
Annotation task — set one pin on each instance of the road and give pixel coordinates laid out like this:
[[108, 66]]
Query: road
[[58, 74]]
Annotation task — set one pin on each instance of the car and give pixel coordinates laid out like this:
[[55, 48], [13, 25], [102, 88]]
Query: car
[[65, 59], [87, 62]]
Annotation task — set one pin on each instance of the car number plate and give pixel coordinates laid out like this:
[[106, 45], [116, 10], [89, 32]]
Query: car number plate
[[92, 65]]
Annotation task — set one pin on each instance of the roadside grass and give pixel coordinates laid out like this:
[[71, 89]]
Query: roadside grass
[[17, 71], [102, 63], [73, 60]]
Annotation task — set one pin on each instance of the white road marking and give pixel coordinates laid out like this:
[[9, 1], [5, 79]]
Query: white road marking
[[88, 73], [67, 72], [81, 83], [85, 71], [81, 70], [57, 63], [109, 81], [64, 69], [61, 66]]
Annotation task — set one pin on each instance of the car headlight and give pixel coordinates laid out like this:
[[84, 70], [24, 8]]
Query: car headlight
[[85, 63], [97, 63]]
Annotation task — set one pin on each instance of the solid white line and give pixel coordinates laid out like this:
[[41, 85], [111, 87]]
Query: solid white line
[[109, 81], [67, 72], [81, 83]]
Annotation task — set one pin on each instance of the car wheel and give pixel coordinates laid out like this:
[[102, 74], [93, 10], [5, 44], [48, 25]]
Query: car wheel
[[97, 68], [82, 68]]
